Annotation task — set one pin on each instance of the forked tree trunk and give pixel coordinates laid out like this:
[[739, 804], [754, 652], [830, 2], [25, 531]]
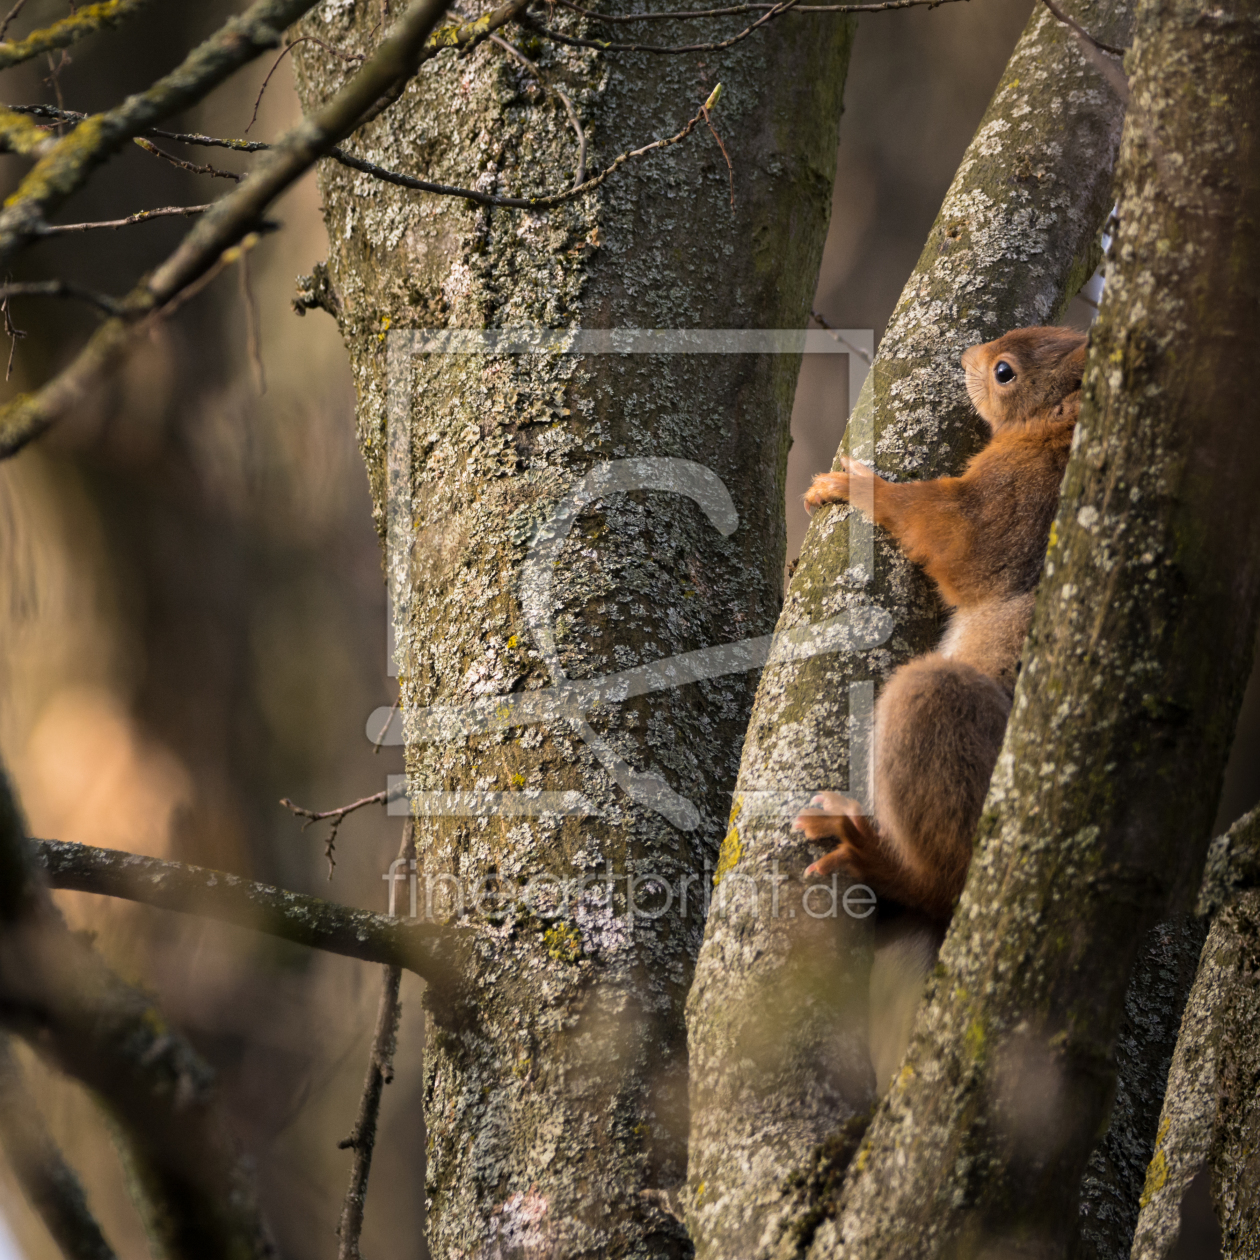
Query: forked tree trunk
[[557, 1095], [1098, 816], [781, 1080]]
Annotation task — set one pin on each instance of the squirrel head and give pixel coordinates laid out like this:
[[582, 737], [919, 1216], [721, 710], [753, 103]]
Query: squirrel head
[[1024, 374]]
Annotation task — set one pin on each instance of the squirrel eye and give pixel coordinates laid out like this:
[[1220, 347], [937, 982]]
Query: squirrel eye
[[1003, 373]]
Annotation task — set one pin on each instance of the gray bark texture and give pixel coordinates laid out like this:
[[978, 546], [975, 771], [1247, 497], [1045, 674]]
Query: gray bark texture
[[556, 1098], [1153, 1006], [1211, 1114], [1099, 811], [780, 1074]]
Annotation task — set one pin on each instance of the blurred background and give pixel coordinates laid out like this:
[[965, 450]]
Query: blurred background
[[192, 617]]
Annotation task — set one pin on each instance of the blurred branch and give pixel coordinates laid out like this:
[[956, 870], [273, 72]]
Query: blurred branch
[[20, 135], [184, 137], [87, 21], [67, 166], [425, 948], [59, 289], [230, 218], [141, 216], [58, 994], [49, 1183], [379, 1074], [10, 16]]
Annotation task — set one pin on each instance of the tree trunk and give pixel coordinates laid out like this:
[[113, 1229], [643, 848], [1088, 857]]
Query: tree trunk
[[1098, 816], [1153, 1007], [777, 1014], [556, 1102], [1210, 1117]]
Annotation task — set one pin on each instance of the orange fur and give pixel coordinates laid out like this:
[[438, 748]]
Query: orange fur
[[981, 537]]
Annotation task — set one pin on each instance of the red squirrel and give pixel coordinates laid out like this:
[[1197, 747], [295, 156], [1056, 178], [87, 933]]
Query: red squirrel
[[981, 538]]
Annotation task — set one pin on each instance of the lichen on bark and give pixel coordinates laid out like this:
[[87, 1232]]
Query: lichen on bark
[[556, 1102], [1099, 811], [776, 1016]]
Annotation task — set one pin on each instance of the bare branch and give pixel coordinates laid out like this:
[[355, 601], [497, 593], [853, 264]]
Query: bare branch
[[230, 218], [67, 166], [688, 15], [9, 17], [60, 289], [58, 994], [379, 1074], [184, 137], [428, 949], [771, 11], [149, 147], [141, 216], [541, 202], [50, 1184], [338, 816], [87, 21]]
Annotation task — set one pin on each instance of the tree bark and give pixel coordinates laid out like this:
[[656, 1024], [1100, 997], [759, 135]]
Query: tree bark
[[556, 1102], [779, 1059], [1153, 1008], [1099, 812], [1210, 1117]]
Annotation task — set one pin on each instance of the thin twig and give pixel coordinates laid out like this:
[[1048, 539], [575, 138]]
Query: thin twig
[[337, 816], [149, 147], [50, 1184], [541, 202], [288, 48], [184, 137], [431, 950], [380, 1072], [141, 216], [844, 341], [734, 10], [60, 289], [604, 46], [14, 333], [730, 170], [8, 18], [1081, 31], [568, 104], [54, 75], [393, 708]]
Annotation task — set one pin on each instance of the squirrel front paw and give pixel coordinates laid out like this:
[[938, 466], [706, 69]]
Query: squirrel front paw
[[827, 488]]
